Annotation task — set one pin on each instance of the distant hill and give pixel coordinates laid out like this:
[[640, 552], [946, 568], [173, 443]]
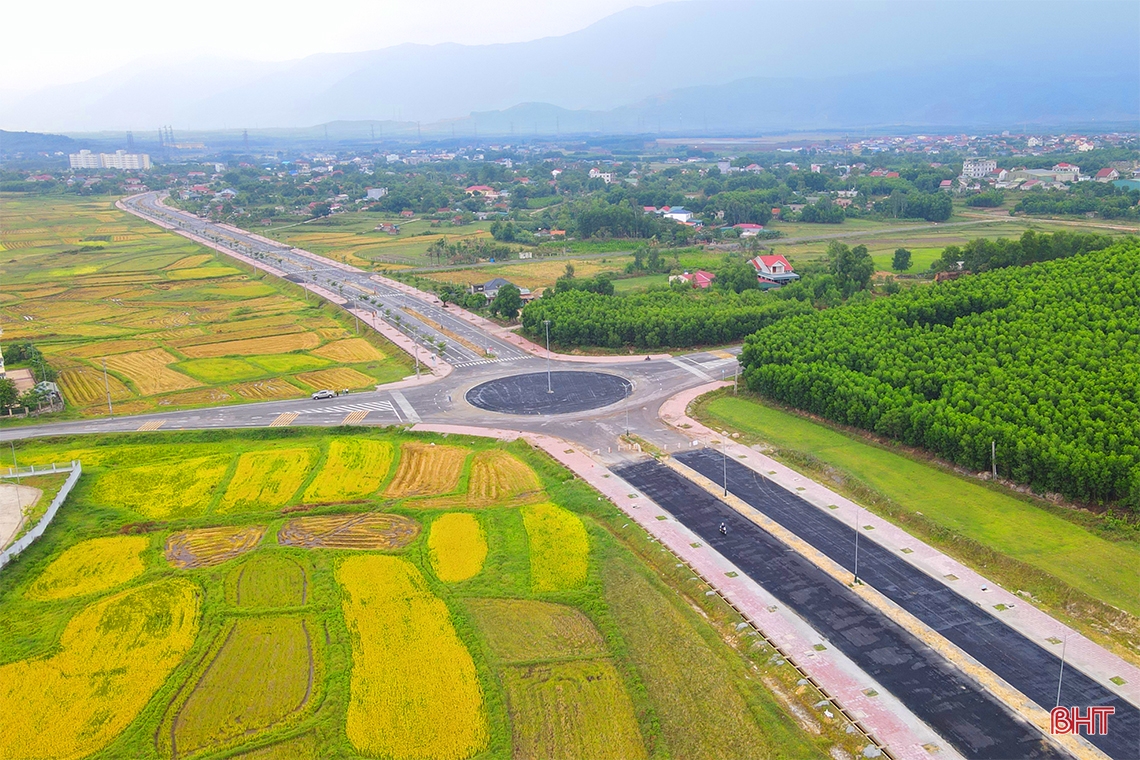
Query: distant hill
[[12, 143], [791, 64]]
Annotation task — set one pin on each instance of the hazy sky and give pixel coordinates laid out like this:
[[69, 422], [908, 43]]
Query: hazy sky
[[55, 41]]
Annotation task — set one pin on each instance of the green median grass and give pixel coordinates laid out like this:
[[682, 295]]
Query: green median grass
[[982, 525]]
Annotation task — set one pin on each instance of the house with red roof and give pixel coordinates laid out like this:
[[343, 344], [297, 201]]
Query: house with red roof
[[773, 271], [748, 230], [1108, 174], [698, 279]]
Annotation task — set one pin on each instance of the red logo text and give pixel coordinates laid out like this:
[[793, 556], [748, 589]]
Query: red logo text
[[1068, 720]]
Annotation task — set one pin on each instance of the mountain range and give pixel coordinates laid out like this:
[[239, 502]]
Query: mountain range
[[712, 65]]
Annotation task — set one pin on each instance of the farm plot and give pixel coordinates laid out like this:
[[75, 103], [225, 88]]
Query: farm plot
[[410, 672], [342, 377], [150, 372], [285, 363], [427, 469], [91, 567], [87, 385], [353, 469], [112, 657], [267, 389], [571, 709], [497, 476], [222, 370], [165, 489], [266, 479], [274, 344], [262, 675], [206, 547], [457, 547], [559, 548], [269, 581], [371, 530], [350, 351], [525, 630]]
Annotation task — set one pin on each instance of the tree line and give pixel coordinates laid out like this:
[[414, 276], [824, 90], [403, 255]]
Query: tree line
[[1043, 360]]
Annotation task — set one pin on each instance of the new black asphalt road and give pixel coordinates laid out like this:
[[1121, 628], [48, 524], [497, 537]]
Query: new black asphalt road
[[561, 392], [1025, 665], [975, 723]]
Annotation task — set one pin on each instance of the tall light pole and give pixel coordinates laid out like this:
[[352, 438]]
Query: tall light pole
[[107, 387], [1061, 675], [20, 507], [549, 388], [857, 508], [724, 458]]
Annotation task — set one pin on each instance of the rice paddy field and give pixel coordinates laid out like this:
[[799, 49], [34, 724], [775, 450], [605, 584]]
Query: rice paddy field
[[259, 603], [175, 325]]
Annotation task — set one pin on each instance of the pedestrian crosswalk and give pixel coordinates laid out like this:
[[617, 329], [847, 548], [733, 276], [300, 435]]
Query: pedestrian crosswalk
[[284, 419], [487, 361], [364, 406], [152, 425], [355, 418]]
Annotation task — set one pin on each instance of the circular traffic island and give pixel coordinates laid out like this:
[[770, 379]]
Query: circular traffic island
[[568, 392]]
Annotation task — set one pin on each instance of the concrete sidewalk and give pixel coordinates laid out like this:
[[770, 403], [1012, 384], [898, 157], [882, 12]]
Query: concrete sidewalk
[[1018, 613]]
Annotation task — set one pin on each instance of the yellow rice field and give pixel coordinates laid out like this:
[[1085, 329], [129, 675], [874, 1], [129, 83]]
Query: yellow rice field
[[337, 379], [165, 489], [266, 479], [369, 530], [427, 469], [350, 351], [411, 675], [274, 344], [90, 567], [526, 630], [112, 657], [149, 372], [457, 547], [353, 469], [497, 476], [266, 389], [559, 548], [85, 385]]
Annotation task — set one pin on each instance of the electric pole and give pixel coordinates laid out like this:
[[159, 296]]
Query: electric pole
[[549, 388], [107, 387]]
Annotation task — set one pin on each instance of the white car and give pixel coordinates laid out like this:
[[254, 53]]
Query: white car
[[321, 395]]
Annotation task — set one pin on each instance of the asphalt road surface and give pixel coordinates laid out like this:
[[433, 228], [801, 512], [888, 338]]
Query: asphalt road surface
[[536, 393], [1022, 663], [975, 723]]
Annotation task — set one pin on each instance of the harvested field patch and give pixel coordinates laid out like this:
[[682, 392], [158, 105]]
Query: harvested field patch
[[162, 490], [354, 468], [206, 547], [286, 363], [410, 672], [267, 389], [351, 351], [274, 344], [303, 747], [559, 547], [90, 567], [112, 657], [85, 385], [269, 581], [496, 476], [261, 675], [149, 372], [202, 273], [214, 371], [457, 547], [266, 479], [336, 379], [108, 348], [572, 709], [191, 262], [370, 530], [702, 714], [525, 630], [427, 469], [194, 398]]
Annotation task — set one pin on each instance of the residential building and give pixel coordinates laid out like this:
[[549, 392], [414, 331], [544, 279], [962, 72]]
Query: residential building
[[976, 168], [748, 230], [376, 193], [1064, 172], [773, 271], [490, 289], [698, 279], [1108, 174], [677, 213]]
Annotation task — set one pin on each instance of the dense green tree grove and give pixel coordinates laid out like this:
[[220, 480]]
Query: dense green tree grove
[[981, 254], [1101, 198], [1044, 360], [657, 318]]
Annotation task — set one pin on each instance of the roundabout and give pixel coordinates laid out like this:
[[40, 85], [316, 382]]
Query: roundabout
[[563, 393]]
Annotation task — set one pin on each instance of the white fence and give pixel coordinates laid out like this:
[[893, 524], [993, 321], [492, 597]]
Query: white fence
[[75, 469]]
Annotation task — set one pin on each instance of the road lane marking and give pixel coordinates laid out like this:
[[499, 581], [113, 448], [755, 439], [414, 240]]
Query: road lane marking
[[284, 419], [690, 368], [355, 418], [152, 425], [405, 407]]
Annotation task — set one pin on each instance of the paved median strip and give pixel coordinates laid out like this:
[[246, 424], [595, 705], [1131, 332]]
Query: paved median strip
[[284, 419], [355, 418], [152, 425]]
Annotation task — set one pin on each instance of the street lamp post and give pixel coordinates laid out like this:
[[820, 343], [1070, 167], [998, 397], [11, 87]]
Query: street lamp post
[[549, 388], [724, 458], [857, 543], [1061, 675]]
